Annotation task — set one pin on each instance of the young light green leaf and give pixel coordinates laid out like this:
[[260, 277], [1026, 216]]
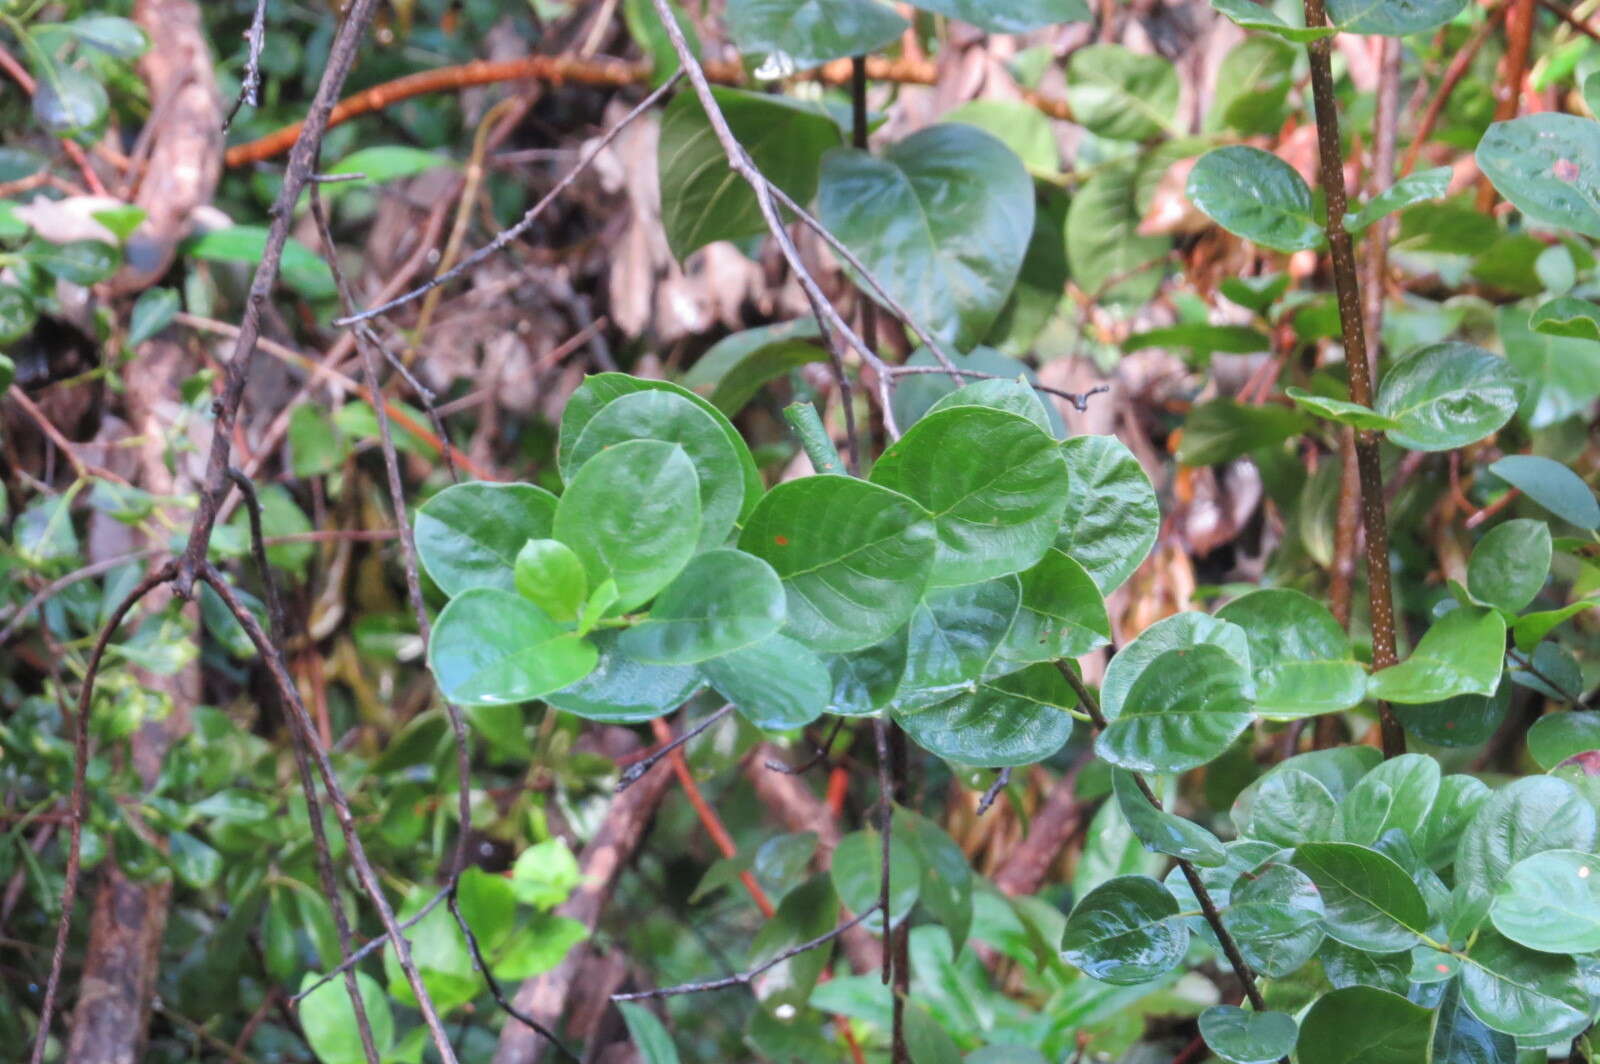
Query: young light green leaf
[[1123, 932], [1162, 832], [1448, 395], [1552, 485], [775, 684], [723, 600], [1184, 710], [1253, 16], [1303, 661], [942, 219], [1548, 166], [650, 1038], [798, 34], [1364, 1025], [1242, 1037], [1463, 653], [1121, 95], [1341, 410], [1392, 18], [1178, 632], [550, 575], [469, 534], [1408, 191], [623, 691], [384, 162], [1111, 518], [1372, 903], [857, 871], [1275, 915], [1550, 902], [1510, 564], [633, 515], [1007, 721], [854, 558], [491, 647], [995, 484], [329, 1020], [1568, 317], [1540, 997], [1255, 195]]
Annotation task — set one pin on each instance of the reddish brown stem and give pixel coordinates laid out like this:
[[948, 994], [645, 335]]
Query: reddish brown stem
[[1519, 33], [1459, 65]]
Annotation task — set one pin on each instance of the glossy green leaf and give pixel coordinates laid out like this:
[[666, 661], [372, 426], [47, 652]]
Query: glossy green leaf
[[1448, 395], [1567, 317], [1253, 86], [1396, 795], [951, 638], [865, 681], [1548, 165], [1408, 191], [736, 367], [776, 684], [1224, 429], [1341, 410], [1007, 721], [1111, 261], [1275, 915], [1459, 1037], [1254, 16], [1162, 832], [1124, 932], [1457, 802], [797, 34], [68, 101], [1550, 902], [702, 199], [1291, 807], [1024, 129], [857, 872], [1062, 613], [1392, 18], [1465, 720], [1112, 517], [329, 1020], [492, 647], [632, 514], [303, 269], [17, 316], [1010, 16], [723, 600], [672, 418], [942, 219], [807, 911], [1526, 817], [1178, 632], [946, 890], [1012, 396], [1242, 1037], [1524, 993], [854, 558], [550, 575], [1560, 376], [1510, 564], [1121, 95], [1559, 736], [1364, 1025], [1372, 903], [649, 1036], [1303, 661], [469, 535], [1255, 195], [82, 262], [1463, 653], [995, 485], [1552, 485], [915, 395], [1184, 710]]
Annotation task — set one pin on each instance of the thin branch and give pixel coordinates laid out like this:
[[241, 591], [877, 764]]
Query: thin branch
[[746, 978], [1079, 400], [372, 945], [250, 88], [637, 770], [1001, 781], [817, 756]]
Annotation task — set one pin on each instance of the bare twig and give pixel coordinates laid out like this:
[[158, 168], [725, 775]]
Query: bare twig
[[1002, 780], [1079, 400], [817, 756], [250, 86], [637, 770]]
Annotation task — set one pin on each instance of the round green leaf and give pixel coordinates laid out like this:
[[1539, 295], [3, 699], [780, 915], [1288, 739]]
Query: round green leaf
[[857, 872], [1548, 166], [1178, 632], [1290, 807], [1526, 817], [776, 684], [1551, 902], [1012, 396], [469, 534], [995, 484], [1510, 564], [1162, 832], [668, 416], [1529, 995], [633, 515], [1254, 16], [329, 1020], [1553, 486], [1303, 661], [1448, 395], [1568, 317], [1256, 195], [1062, 616], [623, 691], [1275, 916], [491, 647], [797, 34], [1243, 1037], [1372, 903], [1112, 517], [1123, 932], [1184, 710], [1120, 94], [1556, 738], [942, 219], [1392, 18], [16, 314], [1110, 259], [1364, 1025], [722, 601], [952, 637], [550, 575], [1007, 721], [1465, 720], [1398, 794], [68, 101], [1463, 653], [854, 558]]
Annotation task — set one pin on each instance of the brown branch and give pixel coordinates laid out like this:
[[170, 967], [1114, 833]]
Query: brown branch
[[1520, 17]]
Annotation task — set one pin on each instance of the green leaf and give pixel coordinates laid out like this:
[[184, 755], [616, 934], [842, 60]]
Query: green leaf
[[946, 888], [1397, 795], [797, 34], [1254, 16], [1510, 564], [1458, 801], [776, 684], [68, 102], [1465, 720], [1202, 340], [1448, 395], [1162, 832], [1372, 903], [857, 872], [623, 691], [17, 316], [650, 1038], [1341, 410], [916, 395], [736, 367], [1123, 932], [1560, 377], [806, 912], [1552, 485], [469, 534], [1392, 18], [538, 946], [1010, 16], [1406, 192], [329, 1020], [1559, 736], [952, 637], [1013, 396], [1181, 631], [1275, 915], [194, 863], [1568, 317], [1223, 429], [303, 269], [1007, 721], [545, 874], [941, 219], [491, 647], [724, 600], [1304, 664], [1255, 195], [1548, 166], [1463, 653], [385, 162], [1535, 996], [1459, 1037], [854, 558], [549, 574], [633, 515], [995, 485], [1243, 1037], [315, 441], [78, 261], [926, 1040], [1122, 95], [1253, 86], [1550, 902], [121, 220], [1022, 128], [1112, 517], [1184, 710], [110, 34], [1526, 817], [644, 26], [1290, 807], [1364, 1025], [1111, 262], [1062, 613], [702, 199]]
